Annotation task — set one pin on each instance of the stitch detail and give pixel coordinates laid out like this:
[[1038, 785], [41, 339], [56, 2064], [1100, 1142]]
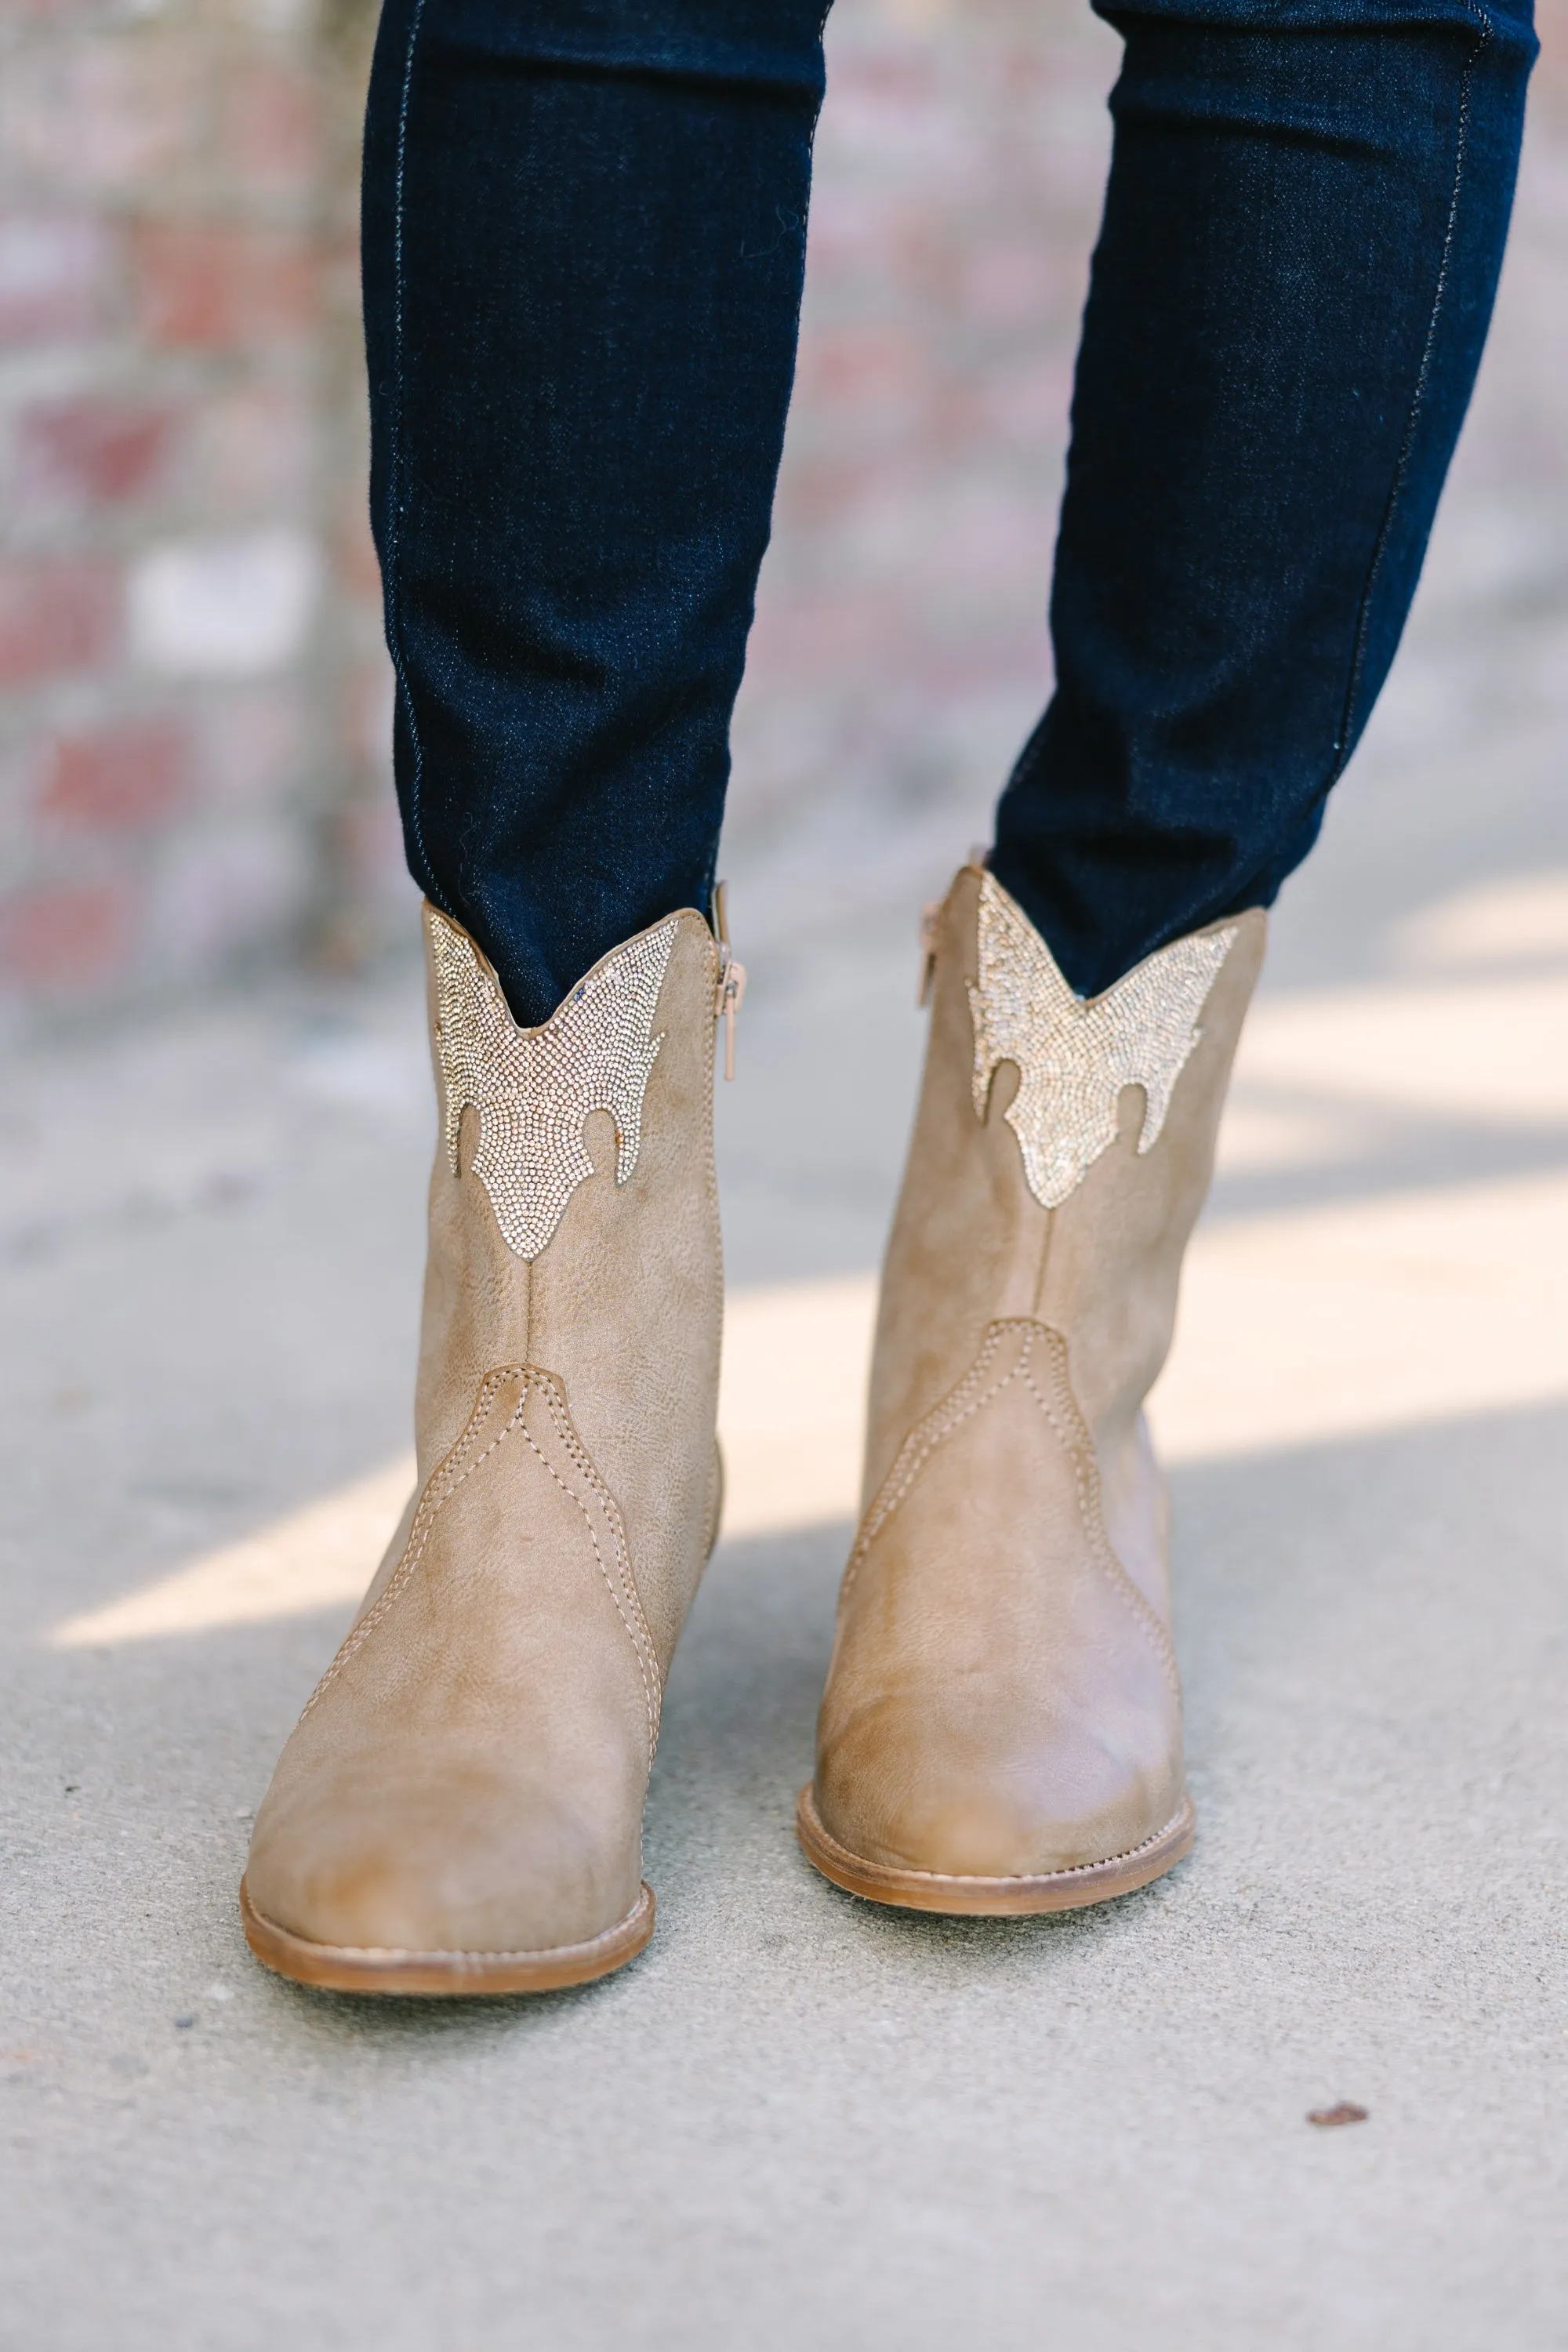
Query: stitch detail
[[1064, 1418], [637, 1634], [578, 1453], [1004, 1878], [929, 1432], [1417, 398], [444, 1952], [1078, 1446], [399, 466], [452, 1471], [438, 1489]]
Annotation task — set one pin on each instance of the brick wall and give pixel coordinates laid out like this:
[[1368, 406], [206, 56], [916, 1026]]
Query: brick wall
[[194, 702], [192, 698]]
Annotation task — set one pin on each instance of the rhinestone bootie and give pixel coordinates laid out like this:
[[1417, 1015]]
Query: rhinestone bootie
[[459, 1809], [1001, 1730]]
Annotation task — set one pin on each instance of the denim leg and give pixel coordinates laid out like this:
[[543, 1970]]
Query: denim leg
[[584, 229], [1303, 228]]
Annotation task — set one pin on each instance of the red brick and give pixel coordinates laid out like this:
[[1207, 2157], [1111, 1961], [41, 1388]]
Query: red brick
[[72, 939], [367, 712], [113, 111], [368, 839], [101, 451], [250, 449], [55, 617], [253, 745], [56, 270], [217, 284], [355, 568], [121, 779], [1009, 285], [272, 128], [871, 371]]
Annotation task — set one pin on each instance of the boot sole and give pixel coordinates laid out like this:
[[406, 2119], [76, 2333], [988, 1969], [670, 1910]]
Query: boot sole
[[993, 1898], [342, 1967]]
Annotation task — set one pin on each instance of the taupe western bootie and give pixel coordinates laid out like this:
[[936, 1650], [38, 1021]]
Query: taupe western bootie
[[459, 1809], [1001, 1730]]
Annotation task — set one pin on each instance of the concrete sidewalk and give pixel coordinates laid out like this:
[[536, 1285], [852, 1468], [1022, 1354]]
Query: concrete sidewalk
[[798, 2121]]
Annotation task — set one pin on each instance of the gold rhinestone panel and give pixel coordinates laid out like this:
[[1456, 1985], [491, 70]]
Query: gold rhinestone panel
[[1074, 1055], [534, 1088]]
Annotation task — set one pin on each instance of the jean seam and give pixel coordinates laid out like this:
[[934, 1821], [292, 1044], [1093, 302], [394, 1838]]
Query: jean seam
[[1417, 400], [398, 467]]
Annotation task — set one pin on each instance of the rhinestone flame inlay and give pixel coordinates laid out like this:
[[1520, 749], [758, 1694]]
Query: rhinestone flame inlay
[[1075, 1054], [535, 1088]]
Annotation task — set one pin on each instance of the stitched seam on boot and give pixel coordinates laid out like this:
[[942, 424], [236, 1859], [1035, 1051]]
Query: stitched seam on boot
[[1002, 1877], [432, 1501], [573, 1496], [455, 1952], [930, 1433], [716, 1517], [927, 1435], [424, 1517], [636, 1623], [566, 1429], [1072, 1432]]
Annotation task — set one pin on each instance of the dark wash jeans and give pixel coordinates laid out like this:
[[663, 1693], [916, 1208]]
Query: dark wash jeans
[[584, 240]]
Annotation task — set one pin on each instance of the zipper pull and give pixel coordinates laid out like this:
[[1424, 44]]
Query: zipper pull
[[730, 995], [930, 925]]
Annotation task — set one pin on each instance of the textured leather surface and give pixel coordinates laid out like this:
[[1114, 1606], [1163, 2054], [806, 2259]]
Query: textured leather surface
[[1003, 1698], [469, 1775]]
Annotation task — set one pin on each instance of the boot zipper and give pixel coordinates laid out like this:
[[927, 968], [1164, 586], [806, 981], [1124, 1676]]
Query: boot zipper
[[732, 989], [931, 926]]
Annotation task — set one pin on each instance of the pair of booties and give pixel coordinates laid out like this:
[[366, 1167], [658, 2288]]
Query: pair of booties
[[459, 1808]]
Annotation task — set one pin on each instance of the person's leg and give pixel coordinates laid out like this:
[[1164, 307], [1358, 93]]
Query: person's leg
[[1302, 235], [584, 233], [584, 224]]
